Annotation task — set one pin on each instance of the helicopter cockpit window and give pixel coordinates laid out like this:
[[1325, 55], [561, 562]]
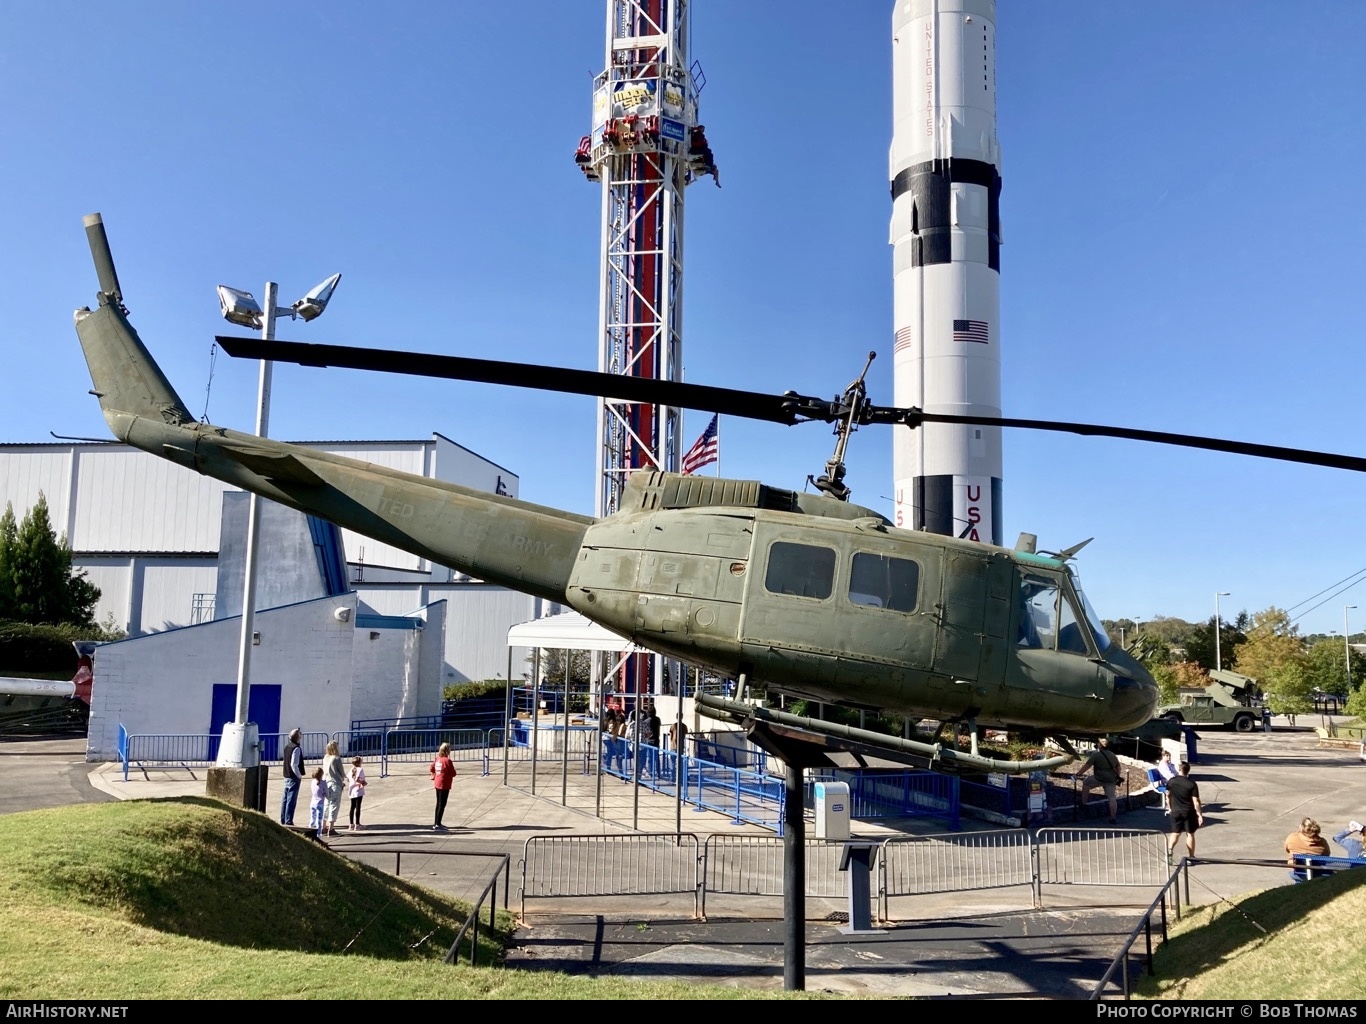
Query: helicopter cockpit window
[[800, 569], [1070, 635], [1098, 632], [877, 581]]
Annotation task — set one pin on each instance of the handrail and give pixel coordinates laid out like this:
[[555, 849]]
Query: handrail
[[1180, 873], [454, 951], [1145, 924], [473, 917]]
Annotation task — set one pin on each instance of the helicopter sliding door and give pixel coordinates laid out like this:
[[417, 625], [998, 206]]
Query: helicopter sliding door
[[838, 615]]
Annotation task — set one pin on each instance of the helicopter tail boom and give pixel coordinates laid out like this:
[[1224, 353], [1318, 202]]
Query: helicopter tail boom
[[494, 538]]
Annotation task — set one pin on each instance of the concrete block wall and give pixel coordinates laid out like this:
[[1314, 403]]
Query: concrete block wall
[[387, 670], [163, 683]]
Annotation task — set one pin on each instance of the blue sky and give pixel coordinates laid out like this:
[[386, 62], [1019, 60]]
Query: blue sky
[[1181, 217]]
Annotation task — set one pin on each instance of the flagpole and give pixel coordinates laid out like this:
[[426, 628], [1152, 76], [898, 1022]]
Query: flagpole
[[718, 444]]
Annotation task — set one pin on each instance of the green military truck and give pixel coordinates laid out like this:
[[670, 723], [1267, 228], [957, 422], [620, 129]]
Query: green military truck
[[1231, 700]]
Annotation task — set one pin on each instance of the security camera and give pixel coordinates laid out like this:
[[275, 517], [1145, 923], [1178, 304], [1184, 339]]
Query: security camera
[[239, 307], [342, 614], [311, 306]]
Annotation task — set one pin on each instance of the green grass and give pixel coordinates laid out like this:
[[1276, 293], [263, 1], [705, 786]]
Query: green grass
[[189, 898], [1310, 947]]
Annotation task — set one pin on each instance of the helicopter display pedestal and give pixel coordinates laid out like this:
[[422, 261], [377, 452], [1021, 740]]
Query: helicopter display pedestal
[[857, 858]]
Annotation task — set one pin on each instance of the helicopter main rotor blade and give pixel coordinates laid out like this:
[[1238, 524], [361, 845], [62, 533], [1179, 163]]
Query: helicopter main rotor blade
[[787, 409], [914, 417]]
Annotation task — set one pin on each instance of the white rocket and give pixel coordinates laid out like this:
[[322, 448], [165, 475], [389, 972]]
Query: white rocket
[[946, 233]]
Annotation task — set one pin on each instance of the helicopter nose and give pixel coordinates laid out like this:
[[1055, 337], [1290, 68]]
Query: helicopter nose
[[1136, 695]]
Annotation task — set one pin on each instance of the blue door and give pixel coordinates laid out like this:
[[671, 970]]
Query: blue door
[[263, 708]]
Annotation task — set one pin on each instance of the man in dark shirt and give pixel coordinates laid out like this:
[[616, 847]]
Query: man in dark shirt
[[1187, 814], [292, 767], [1105, 767]]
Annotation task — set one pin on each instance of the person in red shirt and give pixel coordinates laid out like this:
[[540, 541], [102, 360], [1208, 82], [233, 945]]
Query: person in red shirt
[[443, 774]]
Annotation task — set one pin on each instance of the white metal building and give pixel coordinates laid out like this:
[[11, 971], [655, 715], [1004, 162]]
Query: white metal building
[[164, 544]]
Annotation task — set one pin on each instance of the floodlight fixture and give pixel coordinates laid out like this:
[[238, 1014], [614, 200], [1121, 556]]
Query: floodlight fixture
[[311, 306], [240, 307]]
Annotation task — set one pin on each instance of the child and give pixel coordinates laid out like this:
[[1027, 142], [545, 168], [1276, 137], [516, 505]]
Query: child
[[355, 781], [315, 809]]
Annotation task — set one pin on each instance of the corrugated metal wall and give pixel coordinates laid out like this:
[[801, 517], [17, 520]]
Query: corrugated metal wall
[[478, 617], [132, 501], [24, 472], [137, 519], [168, 588]]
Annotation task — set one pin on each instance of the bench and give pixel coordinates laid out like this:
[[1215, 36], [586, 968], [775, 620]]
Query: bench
[[1312, 866]]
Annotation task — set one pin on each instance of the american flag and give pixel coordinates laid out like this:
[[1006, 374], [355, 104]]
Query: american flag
[[704, 451], [970, 330], [904, 339]]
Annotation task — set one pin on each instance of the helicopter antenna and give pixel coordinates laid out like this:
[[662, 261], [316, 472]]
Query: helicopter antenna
[[850, 407], [1067, 554]]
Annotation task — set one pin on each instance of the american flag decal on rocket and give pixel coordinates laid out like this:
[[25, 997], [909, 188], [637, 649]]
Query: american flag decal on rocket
[[903, 339], [971, 330]]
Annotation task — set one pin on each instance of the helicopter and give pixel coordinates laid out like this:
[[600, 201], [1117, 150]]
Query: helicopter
[[806, 593]]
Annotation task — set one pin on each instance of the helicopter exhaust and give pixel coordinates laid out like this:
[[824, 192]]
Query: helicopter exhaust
[[746, 714]]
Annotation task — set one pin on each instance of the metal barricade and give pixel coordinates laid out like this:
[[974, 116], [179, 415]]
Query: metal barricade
[[753, 866], [364, 743], [200, 750], [172, 750], [746, 797], [515, 746], [953, 862], [896, 794], [1099, 856], [420, 745], [611, 865], [312, 745]]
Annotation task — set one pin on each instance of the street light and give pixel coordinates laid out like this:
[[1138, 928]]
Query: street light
[[1347, 643], [240, 746], [1218, 660]]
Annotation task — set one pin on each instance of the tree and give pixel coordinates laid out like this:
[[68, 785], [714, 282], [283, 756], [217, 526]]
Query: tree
[[1175, 677], [1173, 632], [1326, 665], [552, 668], [1200, 644], [9, 532], [1274, 656], [38, 579]]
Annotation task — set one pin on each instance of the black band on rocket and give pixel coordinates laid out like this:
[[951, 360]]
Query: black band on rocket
[[929, 183]]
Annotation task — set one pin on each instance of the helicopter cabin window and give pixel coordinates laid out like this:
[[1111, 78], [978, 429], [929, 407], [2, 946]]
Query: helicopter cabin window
[[801, 570], [877, 581], [1038, 612]]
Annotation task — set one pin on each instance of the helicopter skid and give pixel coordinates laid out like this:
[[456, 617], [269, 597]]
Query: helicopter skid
[[811, 743]]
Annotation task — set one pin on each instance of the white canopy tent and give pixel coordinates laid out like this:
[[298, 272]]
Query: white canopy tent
[[568, 631]]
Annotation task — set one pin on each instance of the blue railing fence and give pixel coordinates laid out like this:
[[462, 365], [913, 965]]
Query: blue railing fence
[[746, 795]]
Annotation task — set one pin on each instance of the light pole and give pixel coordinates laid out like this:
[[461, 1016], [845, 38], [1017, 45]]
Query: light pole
[[240, 747], [1347, 643], [1218, 658]]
